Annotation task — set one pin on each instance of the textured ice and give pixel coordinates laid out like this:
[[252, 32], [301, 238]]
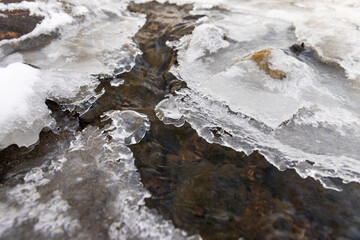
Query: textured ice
[[95, 38], [95, 175], [332, 151], [133, 126], [331, 27], [52, 217], [116, 82], [308, 121], [22, 105], [205, 38]]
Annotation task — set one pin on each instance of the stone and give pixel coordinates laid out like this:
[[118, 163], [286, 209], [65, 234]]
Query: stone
[[262, 60], [298, 48]]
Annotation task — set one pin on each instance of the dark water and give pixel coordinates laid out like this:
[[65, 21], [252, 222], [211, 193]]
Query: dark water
[[202, 188]]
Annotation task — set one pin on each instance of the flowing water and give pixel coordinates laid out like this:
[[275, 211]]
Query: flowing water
[[205, 119]]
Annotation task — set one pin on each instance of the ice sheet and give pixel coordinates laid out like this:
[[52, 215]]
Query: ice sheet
[[96, 175], [94, 38], [310, 119]]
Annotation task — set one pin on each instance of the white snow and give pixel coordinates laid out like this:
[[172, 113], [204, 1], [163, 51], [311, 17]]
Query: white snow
[[23, 112], [95, 38], [94, 163]]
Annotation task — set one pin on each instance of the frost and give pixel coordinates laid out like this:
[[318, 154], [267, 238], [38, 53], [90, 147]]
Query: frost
[[95, 175]]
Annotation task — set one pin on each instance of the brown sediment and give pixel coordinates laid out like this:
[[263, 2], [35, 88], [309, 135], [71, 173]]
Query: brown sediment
[[16, 23], [262, 59], [204, 188]]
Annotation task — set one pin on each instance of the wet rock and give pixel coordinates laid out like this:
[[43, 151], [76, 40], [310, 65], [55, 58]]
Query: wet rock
[[298, 48], [154, 26], [14, 24], [262, 60], [173, 38], [150, 80], [223, 194], [175, 85], [199, 211], [213, 190]]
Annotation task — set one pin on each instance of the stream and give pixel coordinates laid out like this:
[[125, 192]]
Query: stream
[[179, 120]]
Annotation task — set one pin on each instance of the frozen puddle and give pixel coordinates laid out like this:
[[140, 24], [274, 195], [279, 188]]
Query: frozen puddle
[[90, 190], [309, 120]]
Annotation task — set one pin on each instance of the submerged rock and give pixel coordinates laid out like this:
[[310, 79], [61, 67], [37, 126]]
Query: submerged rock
[[262, 59], [298, 48]]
